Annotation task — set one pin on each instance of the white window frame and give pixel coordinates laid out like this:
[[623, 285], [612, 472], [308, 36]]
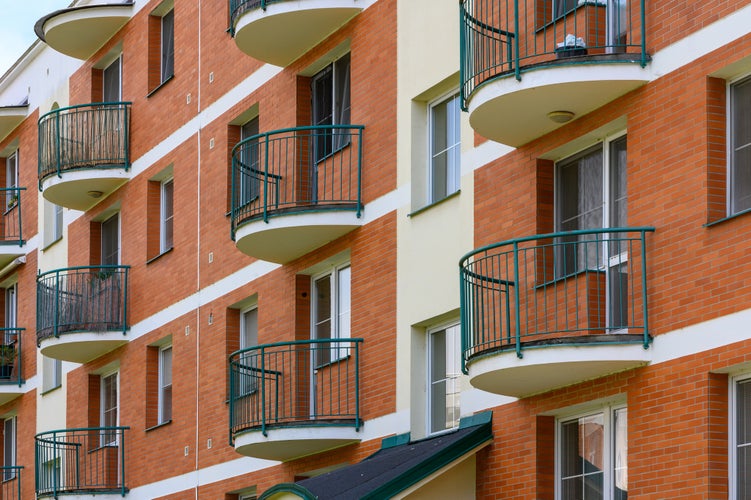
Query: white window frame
[[166, 52], [164, 416], [119, 62], [249, 188], [166, 215], [248, 382], [731, 113], [11, 180], [733, 433], [341, 106], [340, 319], [453, 168], [449, 378], [608, 453], [10, 461], [105, 434], [11, 307], [52, 373]]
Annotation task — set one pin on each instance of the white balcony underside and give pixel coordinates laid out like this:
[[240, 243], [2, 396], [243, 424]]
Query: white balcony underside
[[285, 444], [82, 189], [82, 347]]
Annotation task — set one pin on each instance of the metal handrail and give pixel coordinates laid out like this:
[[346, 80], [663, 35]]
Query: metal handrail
[[10, 485], [566, 287], [83, 298], [239, 7], [313, 382], [11, 359], [504, 38], [11, 227], [80, 460], [298, 169], [84, 136]]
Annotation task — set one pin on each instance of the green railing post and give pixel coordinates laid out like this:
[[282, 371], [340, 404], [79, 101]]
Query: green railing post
[[58, 154], [643, 36], [56, 318], [263, 392], [359, 172], [266, 179], [122, 461], [644, 289], [517, 71], [516, 296], [357, 386], [124, 272], [231, 400]]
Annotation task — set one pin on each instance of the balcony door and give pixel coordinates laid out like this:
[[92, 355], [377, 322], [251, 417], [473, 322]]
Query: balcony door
[[110, 241], [618, 25], [590, 195]]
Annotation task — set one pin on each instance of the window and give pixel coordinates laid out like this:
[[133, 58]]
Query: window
[[331, 105], [249, 376], [168, 45], [560, 7], [740, 455], [53, 222], [592, 455], [166, 214], [331, 312], [112, 81], [11, 307], [444, 368], [52, 373], [740, 146], [11, 180], [109, 408], [591, 194], [9, 447], [165, 384], [445, 148], [110, 239], [250, 174]]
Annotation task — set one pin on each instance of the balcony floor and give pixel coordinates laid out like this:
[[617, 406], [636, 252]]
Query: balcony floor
[[10, 118], [81, 347], [82, 189], [10, 391], [515, 112], [289, 443], [544, 368]]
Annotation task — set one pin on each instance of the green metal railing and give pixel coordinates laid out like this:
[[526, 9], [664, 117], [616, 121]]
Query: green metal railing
[[10, 487], [11, 229], [294, 170], [86, 298], [10, 357], [84, 136], [240, 7], [80, 461], [504, 38], [561, 288], [312, 382]]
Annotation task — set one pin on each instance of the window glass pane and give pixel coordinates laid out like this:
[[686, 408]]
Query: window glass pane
[[323, 111], [443, 378], [250, 172], [167, 215], [165, 376], [741, 145], [11, 171], [11, 307], [111, 82], [111, 241], [620, 454], [322, 320], [109, 408], [743, 438], [168, 45], [9, 445], [249, 334], [342, 97], [618, 183], [343, 303], [58, 224], [582, 457]]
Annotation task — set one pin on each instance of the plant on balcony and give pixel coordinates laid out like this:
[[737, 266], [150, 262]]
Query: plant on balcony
[[12, 201], [7, 360]]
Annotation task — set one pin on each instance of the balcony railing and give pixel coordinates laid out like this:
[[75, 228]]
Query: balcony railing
[[572, 288], [240, 7], [84, 137], [81, 461], [82, 299], [503, 38], [301, 383], [11, 229], [10, 487], [296, 170], [10, 357]]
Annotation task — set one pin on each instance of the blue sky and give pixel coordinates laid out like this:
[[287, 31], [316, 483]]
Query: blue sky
[[17, 26]]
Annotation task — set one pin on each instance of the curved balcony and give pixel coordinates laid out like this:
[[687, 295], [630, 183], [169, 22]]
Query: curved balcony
[[84, 153], [11, 117], [553, 310], [294, 190], [280, 31], [12, 244], [80, 31], [293, 399], [82, 312], [11, 379], [83, 462], [526, 70]]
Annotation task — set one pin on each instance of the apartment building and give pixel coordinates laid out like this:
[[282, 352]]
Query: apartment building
[[378, 249]]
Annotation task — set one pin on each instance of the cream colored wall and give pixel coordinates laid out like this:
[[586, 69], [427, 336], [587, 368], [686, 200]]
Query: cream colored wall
[[431, 242], [458, 483]]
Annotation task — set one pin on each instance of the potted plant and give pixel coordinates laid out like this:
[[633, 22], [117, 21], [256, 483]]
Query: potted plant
[[7, 360], [12, 201]]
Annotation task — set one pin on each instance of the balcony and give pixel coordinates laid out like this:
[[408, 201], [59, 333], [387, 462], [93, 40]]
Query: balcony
[[11, 117], [279, 31], [526, 70], [294, 190], [84, 153], [11, 379], [88, 461], [10, 488], [82, 312], [80, 31], [293, 399], [553, 310], [12, 244]]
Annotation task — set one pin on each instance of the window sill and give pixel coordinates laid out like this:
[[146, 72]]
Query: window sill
[[159, 256], [53, 389], [51, 244], [156, 89], [729, 217], [431, 205], [158, 426]]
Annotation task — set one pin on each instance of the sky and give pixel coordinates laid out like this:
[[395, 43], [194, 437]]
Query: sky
[[17, 26]]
